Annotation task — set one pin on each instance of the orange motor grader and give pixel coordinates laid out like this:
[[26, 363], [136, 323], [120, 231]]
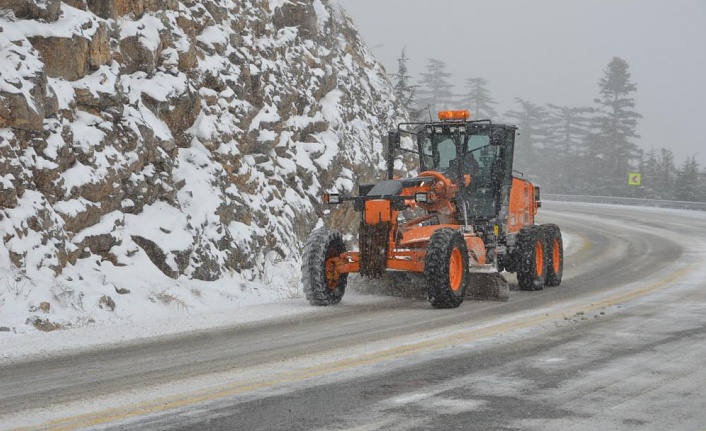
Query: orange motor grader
[[459, 222]]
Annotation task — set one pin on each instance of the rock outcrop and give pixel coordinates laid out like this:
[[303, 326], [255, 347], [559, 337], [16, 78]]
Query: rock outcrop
[[197, 134]]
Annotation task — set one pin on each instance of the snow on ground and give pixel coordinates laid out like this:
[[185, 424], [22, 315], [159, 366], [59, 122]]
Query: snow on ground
[[185, 306], [147, 321], [188, 306]]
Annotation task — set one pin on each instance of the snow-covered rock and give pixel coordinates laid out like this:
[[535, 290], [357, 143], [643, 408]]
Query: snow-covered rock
[[145, 143]]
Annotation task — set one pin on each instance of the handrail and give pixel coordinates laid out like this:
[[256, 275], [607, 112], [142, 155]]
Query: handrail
[[616, 200]]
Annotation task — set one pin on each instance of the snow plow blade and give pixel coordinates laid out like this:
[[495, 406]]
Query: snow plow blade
[[488, 287]]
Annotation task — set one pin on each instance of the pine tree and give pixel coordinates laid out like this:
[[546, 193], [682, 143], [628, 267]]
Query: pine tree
[[649, 167], [530, 142], [686, 187], [568, 128], [702, 186], [403, 89], [615, 125], [593, 172], [435, 91], [659, 174], [666, 174], [478, 100]]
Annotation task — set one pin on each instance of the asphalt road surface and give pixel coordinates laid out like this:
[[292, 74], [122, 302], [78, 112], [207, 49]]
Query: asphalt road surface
[[619, 345]]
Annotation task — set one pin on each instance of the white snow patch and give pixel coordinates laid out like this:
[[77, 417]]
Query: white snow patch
[[145, 29], [276, 4], [330, 106], [322, 14], [72, 22], [268, 114]]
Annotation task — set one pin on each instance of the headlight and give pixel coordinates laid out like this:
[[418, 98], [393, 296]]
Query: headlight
[[332, 198]]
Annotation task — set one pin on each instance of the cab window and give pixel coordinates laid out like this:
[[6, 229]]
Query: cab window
[[447, 152]]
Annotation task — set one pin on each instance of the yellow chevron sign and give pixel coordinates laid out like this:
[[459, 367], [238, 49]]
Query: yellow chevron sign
[[634, 179]]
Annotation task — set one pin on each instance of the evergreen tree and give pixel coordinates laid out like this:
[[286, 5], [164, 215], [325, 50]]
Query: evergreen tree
[[702, 186], [435, 91], [595, 179], [658, 174], [615, 126], [649, 167], [666, 175], [403, 89], [687, 184], [568, 128], [478, 100], [530, 142]]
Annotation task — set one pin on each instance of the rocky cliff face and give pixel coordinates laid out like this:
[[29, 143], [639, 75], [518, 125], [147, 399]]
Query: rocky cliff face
[[196, 135]]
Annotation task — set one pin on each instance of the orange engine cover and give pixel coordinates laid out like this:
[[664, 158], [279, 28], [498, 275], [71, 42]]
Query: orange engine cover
[[523, 205]]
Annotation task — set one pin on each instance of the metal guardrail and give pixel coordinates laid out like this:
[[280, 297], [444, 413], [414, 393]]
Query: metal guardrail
[[626, 201]]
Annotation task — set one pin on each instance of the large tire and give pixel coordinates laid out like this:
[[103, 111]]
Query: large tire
[[446, 268], [555, 254], [532, 258], [322, 287]]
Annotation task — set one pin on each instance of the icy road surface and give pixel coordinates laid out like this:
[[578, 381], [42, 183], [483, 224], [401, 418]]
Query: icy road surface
[[620, 345]]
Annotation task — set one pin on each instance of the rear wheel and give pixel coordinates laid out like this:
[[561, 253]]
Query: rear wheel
[[531, 259], [446, 268], [555, 254], [323, 285]]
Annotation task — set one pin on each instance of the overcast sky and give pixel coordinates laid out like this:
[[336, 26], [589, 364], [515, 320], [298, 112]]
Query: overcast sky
[[555, 51]]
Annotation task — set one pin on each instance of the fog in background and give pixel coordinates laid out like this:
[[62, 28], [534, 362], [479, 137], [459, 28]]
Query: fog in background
[[553, 51]]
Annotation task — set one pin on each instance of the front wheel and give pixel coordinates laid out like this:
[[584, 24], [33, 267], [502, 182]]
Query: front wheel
[[446, 268], [323, 285], [532, 258]]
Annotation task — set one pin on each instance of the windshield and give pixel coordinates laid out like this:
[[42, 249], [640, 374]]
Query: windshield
[[471, 153]]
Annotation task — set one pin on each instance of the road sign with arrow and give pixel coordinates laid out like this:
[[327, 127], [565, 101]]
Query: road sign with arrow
[[634, 179]]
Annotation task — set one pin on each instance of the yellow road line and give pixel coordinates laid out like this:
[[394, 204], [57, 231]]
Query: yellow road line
[[168, 403]]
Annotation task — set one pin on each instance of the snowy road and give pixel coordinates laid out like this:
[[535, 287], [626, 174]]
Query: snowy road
[[618, 346]]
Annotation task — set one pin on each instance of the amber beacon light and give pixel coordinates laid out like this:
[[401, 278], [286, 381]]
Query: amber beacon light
[[462, 115]]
